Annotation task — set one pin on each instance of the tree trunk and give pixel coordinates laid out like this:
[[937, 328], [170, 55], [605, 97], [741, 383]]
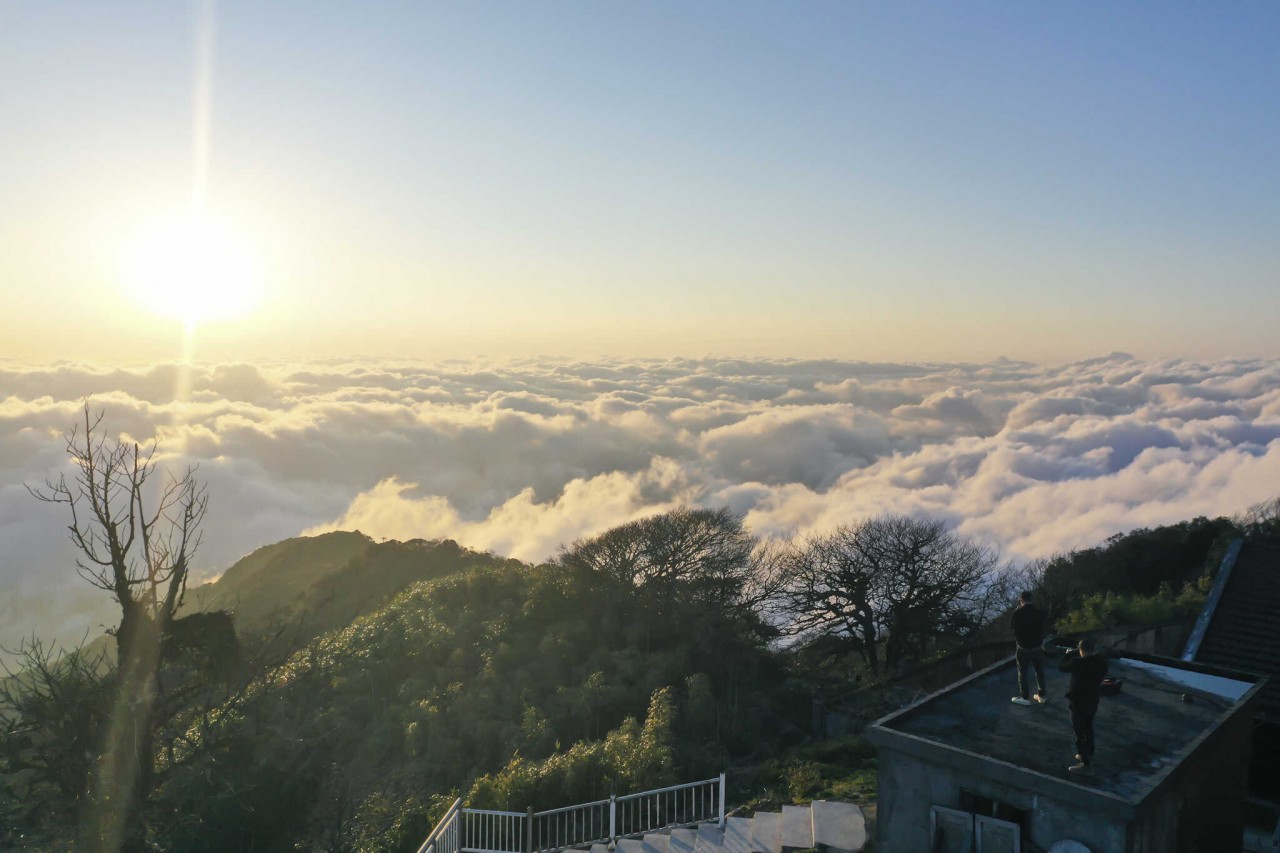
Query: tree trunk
[[125, 769], [869, 643]]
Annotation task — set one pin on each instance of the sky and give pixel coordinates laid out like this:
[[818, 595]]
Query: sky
[[515, 273], [836, 180]]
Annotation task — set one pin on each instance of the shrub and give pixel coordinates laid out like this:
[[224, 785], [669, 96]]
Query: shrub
[[1109, 610], [803, 779]]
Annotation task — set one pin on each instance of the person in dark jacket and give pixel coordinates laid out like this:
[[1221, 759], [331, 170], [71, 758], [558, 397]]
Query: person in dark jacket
[[1028, 632], [1087, 669]]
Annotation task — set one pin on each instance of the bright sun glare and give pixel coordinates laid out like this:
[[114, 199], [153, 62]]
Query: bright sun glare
[[195, 269]]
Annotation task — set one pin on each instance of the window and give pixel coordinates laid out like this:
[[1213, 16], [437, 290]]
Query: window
[[979, 805], [982, 825], [950, 830], [996, 836]]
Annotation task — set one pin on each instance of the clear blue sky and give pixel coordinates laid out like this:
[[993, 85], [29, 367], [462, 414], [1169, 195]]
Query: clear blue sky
[[862, 180]]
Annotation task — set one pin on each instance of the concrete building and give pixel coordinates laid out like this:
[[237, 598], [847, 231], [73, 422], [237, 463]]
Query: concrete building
[[1239, 628], [964, 769]]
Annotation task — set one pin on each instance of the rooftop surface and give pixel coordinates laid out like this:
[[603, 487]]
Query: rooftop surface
[[1139, 734], [1244, 628]]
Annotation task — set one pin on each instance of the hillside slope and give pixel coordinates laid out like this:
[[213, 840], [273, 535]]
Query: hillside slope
[[265, 585], [457, 677]]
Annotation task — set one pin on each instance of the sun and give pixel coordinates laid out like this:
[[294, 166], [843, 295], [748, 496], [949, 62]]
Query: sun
[[195, 268]]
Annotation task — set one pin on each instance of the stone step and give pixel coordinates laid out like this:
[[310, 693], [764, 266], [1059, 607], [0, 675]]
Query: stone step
[[839, 826], [797, 827], [710, 838], [630, 845], [766, 832], [656, 842], [682, 841], [737, 835]]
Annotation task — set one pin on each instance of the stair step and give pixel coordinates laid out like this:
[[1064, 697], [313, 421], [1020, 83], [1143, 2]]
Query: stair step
[[710, 838], [599, 848], [766, 832], [797, 827], [682, 841], [839, 826], [737, 835], [630, 845], [656, 842]]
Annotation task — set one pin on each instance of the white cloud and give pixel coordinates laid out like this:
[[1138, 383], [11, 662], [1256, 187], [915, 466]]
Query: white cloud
[[526, 457]]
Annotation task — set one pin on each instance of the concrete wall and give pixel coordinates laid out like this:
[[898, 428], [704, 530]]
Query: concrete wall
[[909, 786], [1201, 805], [1166, 638]]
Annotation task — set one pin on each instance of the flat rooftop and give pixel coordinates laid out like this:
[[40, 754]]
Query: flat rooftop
[[1140, 733]]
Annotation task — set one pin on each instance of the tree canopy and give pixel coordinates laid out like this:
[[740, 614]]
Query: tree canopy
[[894, 582], [702, 555]]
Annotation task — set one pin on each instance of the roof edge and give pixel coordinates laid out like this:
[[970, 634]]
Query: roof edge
[[1211, 603], [1246, 704], [1005, 772], [912, 706]]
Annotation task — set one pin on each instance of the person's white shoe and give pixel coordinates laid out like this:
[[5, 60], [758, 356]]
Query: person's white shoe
[[1040, 698], [1018, 700], [1081, 768]]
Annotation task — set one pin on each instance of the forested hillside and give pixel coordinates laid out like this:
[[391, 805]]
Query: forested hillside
[[373, 682]]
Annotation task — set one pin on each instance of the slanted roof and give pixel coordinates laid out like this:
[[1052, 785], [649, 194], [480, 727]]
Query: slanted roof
[[1242, 621]]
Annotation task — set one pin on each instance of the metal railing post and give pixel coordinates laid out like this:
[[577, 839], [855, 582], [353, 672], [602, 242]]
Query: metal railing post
[[613, 821], [528, 830], [722, 801]]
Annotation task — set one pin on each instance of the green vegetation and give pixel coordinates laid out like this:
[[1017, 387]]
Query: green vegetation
[[1108, 610], [375, 682], [528, 681], [632, 758], [1130, 578], [841, 768]]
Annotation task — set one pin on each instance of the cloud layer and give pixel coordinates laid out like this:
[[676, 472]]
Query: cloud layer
[[522, 458]]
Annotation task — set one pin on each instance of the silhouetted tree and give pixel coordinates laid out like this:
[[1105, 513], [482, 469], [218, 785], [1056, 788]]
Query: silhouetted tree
[[136, 534], [52, 709], [893, 582], [1261, 519]]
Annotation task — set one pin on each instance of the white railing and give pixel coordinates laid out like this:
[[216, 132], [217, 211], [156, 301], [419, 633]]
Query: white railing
[[464, 830], [570, 826], [692, 802], [489, 831], [447, 836]]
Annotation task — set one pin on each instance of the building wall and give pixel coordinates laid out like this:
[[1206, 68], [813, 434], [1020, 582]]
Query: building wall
[[1165, 638], [910, 785], [1201, 807]]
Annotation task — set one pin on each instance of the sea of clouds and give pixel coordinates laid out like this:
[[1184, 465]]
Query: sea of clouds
[[521, 458]]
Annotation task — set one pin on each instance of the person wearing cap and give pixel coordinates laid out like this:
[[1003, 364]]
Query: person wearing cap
[[1087, 669], [1028, 632]]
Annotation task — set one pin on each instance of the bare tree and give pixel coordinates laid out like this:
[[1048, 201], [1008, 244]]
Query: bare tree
[[892, 582], [135, 534], [834, 589], [1261, 519], [940, 584]]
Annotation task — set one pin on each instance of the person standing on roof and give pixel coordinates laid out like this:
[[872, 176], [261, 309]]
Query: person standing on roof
[[1028, 632], [1087, 669]]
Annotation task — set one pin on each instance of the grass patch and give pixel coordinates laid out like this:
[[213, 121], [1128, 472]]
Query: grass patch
[[841, 768]]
